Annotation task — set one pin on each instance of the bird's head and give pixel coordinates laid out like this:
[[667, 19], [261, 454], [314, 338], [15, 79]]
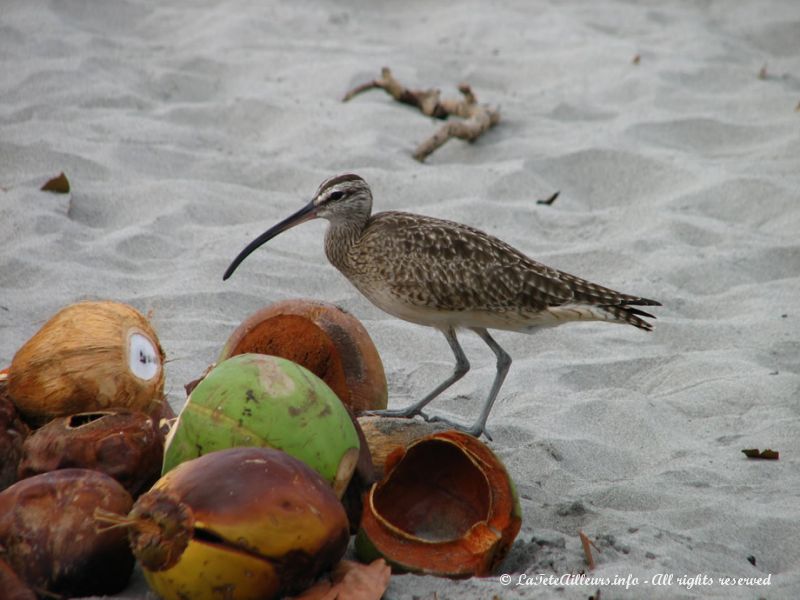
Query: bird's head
[[340, 199], [343, 198]]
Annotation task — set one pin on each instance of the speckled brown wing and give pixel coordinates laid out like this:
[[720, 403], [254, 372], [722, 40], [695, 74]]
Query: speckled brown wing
[[449, 266]]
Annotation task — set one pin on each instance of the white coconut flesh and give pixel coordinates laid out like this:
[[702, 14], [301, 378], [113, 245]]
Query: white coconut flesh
[[143, 358]]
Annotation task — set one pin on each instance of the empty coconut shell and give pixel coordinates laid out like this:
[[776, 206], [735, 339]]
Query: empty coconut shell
[[323, 338], [48, 533], [89, 356], [384, 435], [125, 445], [446, 507], [254, 522]]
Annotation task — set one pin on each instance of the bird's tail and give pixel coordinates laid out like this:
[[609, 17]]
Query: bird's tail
[[625, 312]]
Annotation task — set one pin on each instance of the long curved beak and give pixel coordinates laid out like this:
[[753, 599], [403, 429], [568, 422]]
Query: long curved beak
[[308, 212]]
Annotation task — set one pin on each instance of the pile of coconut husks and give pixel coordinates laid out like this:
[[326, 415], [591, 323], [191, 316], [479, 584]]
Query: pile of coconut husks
[[255, 488]]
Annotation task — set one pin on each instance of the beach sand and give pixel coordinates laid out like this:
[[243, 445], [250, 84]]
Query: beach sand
[[670, 129]]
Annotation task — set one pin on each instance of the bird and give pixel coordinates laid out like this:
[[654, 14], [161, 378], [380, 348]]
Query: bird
[[449, 276]]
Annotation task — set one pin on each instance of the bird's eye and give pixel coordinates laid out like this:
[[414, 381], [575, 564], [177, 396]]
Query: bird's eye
[[337, 195]]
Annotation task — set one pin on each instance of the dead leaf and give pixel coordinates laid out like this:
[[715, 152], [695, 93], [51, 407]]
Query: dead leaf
[[352, 580], [767, 454], [549, 200], [57, 185]]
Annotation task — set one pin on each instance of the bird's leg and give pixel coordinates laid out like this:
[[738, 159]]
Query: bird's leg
[[462, 366], [503, 364]]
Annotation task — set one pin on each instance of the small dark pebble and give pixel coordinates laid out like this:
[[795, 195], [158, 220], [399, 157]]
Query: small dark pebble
[[752, 560]]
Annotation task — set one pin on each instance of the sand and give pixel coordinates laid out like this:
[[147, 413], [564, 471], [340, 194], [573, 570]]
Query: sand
[[187, 128]]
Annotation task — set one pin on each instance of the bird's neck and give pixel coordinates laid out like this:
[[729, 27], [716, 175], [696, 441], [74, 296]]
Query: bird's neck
[[340, 239]]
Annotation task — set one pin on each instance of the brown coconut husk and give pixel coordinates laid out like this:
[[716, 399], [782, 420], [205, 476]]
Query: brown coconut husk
[[13, 432], [13, 587], [50, 538], [326, 340], [79, 361], [124, 444]]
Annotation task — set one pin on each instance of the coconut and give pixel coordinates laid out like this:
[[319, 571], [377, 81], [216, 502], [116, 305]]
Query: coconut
[[13, 587], [89, 356], [267, 401], [240, 524], [323, 338], [446, 507], [126, 445], [48, 533], [13, 432]]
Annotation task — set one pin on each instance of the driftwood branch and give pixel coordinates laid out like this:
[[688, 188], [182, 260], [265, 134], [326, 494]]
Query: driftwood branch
[[427, 101], [477, 118]]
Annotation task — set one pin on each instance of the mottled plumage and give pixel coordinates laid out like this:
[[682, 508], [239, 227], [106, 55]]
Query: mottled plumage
[[449, 276]]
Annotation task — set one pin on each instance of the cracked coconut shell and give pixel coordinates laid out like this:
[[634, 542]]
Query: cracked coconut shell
[[89, 356], [445, 507]]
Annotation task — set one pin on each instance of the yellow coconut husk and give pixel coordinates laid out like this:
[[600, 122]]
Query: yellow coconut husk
[[89, 356]]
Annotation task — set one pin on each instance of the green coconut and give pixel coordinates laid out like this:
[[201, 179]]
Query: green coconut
[[271, 402]]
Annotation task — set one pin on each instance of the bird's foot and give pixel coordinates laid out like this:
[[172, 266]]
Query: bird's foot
[[400, 413], [475, 431]]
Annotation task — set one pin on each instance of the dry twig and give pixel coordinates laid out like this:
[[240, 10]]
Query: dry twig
[[477, 117]]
